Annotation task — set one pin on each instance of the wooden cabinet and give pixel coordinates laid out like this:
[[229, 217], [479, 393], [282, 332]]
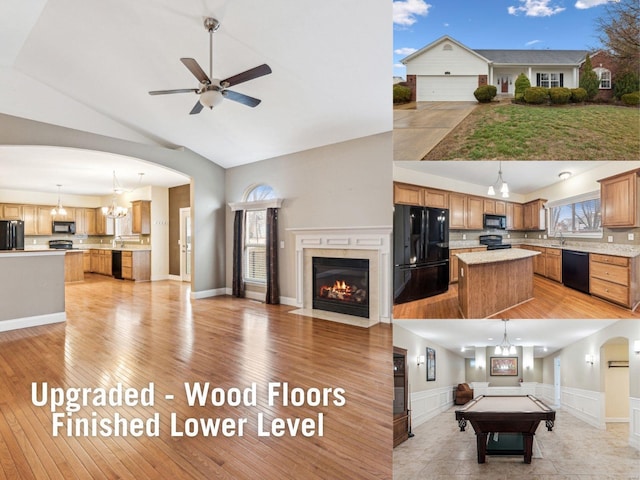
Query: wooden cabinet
[[474, 213], [501, 207], [73, 266], [400, 396], [95, 261], [518, 216], [104, 225], [11, 211], [553, 264], [489, 206], [436, 198], [141, 217], [619, 200], [100, 261], [85, 221], [538, 260], [453, 261], [37, 220], [616, 279], [534, 216], [407, 194], [465, 212], [136, 265], [86, 261]]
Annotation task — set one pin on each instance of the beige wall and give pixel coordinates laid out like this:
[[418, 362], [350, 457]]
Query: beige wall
[[450, 368], [576, 373], [342, 185], [616, 379], [179, 197]]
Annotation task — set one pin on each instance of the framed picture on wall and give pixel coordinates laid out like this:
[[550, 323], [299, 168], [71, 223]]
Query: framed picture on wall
[[431, 365], [504, 366]]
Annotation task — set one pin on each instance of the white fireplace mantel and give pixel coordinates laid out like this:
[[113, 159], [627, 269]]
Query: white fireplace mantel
[[376, 239]]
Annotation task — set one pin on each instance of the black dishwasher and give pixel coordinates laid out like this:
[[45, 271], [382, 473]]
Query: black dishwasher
[[575, 270], [116, 264]]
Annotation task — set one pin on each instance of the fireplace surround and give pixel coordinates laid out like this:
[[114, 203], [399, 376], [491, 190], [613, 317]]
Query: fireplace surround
[[341, 285]]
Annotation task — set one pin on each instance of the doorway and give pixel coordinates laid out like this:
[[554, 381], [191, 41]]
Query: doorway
[[185, 244]]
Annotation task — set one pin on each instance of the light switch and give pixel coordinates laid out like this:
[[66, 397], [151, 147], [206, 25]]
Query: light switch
[[281, 243], [630, 236], [610, 239]]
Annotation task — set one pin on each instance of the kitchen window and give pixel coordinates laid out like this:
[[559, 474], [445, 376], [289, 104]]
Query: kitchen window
[[576, 217]]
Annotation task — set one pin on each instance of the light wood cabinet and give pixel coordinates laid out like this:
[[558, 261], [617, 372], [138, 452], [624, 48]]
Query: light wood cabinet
[[85, 221], [86, 261], [465, 212], [104, 224], [539, 264], [453, 261], [136, 265], [406, 194], [474, 213], [553, 264], [11, 211], [534, 217], [37, 220], [501, 207], [489, 206], [95, 261], [436, 198], [619, 200], [141, 217], [73, 266], [518, 217], [616, 279]]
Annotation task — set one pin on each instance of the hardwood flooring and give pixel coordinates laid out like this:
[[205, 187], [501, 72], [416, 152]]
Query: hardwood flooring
[[136, 333], [551, 300]]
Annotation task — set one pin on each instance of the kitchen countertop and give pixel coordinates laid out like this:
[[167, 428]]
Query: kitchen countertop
[[31, 252], [630, 251], [493, 256]]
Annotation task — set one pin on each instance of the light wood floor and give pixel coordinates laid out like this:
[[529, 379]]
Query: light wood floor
[[118, 331], [551, 300]]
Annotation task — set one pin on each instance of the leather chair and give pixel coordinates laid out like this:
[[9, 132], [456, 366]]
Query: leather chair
[[464, 393]]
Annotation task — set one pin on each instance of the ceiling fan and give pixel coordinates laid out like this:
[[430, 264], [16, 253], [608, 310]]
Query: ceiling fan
[[212, 91]]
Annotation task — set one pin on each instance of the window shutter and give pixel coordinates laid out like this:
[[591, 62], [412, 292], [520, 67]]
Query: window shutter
[[256, 263], [562, 79], [537, 79]]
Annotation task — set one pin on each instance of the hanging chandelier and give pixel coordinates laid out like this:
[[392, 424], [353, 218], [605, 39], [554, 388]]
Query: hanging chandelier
[[113, 210], [505, 348], [58, 209], [499, 184]]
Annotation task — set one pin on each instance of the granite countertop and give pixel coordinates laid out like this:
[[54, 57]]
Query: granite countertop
[[493, 256], [587, 247]]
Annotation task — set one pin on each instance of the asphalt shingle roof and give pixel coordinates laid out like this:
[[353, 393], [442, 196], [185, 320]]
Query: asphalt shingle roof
[[534, 57]]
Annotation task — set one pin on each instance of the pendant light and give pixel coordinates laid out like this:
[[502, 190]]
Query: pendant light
[[505, 348], [113, 210], [503, 186], [58, 209]]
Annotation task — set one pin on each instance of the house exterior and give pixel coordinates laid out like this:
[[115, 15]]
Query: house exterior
[[447, 70], [606, 69]]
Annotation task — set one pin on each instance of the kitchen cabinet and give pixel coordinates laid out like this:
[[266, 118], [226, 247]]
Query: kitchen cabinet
[[616, 279], [553, 264], [518, 217], [73, 266], [95, 261], [619, 200], [100, 261], [406, 194], [465, 212], [495, 207], [501, 207], [538, 260], [85, 221], [436, 198], [141, 217], [11, 211], [104, 224], [453, 261], [136, 265], [534, 215], [37, 220], [474, 213], [86, 261]]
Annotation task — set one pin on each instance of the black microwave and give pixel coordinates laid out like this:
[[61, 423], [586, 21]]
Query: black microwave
[[495, 221], [64, 227]]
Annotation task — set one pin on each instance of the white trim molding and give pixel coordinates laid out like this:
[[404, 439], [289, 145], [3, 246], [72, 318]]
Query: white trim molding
[[257, 205], [586, 405], [375, 239], [426, 404], [16, 323]]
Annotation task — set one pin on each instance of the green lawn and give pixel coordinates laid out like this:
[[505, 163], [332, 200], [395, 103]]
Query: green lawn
[[509, 131]]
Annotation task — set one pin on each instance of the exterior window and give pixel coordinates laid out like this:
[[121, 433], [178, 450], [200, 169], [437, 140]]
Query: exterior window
[[576, 217], [549, 80], [604, 76], [255, 235], [447, 48]]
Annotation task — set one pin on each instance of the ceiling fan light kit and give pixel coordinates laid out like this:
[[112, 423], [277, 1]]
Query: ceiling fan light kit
[[211, 90]]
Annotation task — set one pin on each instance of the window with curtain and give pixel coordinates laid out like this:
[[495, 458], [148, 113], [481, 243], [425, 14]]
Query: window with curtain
[[255, 236], [576, 217]]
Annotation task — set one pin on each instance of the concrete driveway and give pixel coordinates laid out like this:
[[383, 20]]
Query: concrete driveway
[[417, 131]]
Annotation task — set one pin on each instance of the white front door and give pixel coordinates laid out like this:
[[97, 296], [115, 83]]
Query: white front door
[[185, 244]]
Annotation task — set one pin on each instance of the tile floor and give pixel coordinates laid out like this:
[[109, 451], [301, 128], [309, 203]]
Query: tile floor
[[574, 450]]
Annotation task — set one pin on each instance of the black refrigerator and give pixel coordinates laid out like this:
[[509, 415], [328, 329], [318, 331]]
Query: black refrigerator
[[11, 235], [420, 252]]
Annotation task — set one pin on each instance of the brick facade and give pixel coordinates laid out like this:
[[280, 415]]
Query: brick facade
[[411, 83], [603, 60]]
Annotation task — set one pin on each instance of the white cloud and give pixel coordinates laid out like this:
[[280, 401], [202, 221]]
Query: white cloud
[[445, 24], [405, 11], [405, 51], [532, 42], [537, 8], [398, 65], [584, 4]]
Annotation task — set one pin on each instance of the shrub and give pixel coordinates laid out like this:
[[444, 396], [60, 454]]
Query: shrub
[[578, 95], [522, 83], [631, 98], [536, 95], [589, 79], [485, 93], [401, 94], [626, 83], [559, 95]]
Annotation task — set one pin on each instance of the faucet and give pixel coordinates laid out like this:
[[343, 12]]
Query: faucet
[[562, 239]]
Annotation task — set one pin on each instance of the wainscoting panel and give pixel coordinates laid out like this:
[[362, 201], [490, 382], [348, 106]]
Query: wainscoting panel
[[586, 405], [634, 422], [429, 403]]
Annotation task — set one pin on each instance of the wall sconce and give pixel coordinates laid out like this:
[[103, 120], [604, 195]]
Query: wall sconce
[[588, 358], [421, 360], [636, 347]]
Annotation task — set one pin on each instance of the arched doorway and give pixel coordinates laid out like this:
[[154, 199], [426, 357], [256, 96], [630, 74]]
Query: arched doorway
[[614, 376]]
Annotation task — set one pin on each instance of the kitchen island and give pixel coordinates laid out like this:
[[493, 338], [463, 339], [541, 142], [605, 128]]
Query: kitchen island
[[31, 288], [495, 280]]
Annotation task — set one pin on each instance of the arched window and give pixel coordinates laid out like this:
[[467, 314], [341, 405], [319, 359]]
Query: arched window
[[255, 232], [259, 192], [604, 76]]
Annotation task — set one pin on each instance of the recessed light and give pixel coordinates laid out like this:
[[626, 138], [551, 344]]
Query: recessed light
[[490, 338], [564, 175]]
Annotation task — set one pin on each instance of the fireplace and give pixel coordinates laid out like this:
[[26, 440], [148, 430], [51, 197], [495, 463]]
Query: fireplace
[[341, 285]]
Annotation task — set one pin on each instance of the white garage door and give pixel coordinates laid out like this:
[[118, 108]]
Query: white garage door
[[446, 88]]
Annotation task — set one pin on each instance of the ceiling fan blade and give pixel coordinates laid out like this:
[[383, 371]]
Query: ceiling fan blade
[[197, 108], [241, 98], [178, 90], [250, 74], [196, 70]]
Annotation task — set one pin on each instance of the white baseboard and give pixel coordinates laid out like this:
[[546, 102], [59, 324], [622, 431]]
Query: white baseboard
[[216, 292], [289, 301], [38, 320], [616, 420], [174, 277], [426, 404]]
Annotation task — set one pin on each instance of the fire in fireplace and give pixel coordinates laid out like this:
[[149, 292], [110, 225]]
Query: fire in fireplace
[[341, 285]]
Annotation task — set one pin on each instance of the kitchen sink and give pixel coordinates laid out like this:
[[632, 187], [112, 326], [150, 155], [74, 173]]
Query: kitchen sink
[[556, 245]]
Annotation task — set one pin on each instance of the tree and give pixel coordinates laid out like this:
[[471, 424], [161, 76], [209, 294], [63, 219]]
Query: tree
[[522, 83], [620, 33], [589, 79]]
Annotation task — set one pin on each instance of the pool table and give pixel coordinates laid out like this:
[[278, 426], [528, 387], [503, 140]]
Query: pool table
[[505, 414]]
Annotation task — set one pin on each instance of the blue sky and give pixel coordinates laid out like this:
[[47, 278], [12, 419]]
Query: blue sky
[[508, 24]]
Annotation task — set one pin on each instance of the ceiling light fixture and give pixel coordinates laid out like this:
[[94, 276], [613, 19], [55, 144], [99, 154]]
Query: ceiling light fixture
[[564, 175], [505, 348], [499, 184], [113, 210], [58, 209]]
